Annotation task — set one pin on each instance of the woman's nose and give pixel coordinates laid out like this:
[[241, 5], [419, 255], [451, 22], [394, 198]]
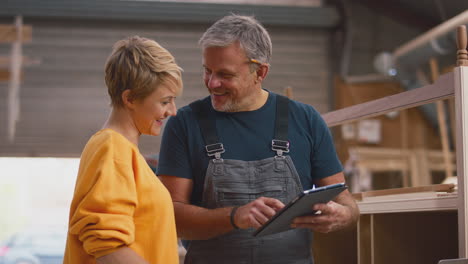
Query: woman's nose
[[172, 111]]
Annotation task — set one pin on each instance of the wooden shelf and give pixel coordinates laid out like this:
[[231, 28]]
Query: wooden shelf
[[414, 202]]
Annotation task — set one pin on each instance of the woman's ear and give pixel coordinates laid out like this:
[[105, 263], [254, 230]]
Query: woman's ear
[[127, 100]]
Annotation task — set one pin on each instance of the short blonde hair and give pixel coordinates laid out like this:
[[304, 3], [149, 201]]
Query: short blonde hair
[[140, 65]]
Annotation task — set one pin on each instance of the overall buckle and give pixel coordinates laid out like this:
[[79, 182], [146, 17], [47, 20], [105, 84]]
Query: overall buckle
[[280, 146], [215, 150]]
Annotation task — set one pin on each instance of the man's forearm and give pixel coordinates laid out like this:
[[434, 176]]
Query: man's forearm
[[197, 223]]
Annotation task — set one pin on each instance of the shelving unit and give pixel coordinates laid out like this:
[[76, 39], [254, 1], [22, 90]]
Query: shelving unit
[[419, 227]]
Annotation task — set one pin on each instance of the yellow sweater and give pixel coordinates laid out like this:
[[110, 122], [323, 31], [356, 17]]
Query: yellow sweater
[[118, 201]]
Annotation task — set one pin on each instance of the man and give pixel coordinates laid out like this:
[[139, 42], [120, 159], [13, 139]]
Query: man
[[231, 160]]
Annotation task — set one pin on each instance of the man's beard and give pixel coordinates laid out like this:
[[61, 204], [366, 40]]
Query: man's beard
[[229, 106]]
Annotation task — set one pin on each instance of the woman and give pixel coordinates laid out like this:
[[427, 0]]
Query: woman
[[121, 212]]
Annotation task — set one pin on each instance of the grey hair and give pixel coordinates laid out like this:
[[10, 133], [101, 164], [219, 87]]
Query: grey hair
[[252, 36]]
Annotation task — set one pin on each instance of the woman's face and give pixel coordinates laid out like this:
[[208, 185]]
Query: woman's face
[[148, 114]]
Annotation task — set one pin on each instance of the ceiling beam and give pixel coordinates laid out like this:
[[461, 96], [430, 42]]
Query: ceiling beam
[[400, 13]]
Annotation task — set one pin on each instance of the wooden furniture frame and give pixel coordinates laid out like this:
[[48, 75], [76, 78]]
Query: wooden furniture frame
[[416, 165], [418, 227], [364, 161], [454, 261]]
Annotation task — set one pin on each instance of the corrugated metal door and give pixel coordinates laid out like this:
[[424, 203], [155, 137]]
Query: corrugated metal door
[[64, 98]]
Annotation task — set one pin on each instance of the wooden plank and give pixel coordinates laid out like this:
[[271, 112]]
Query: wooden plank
[[461, 117], [383, 165], [435, 161], [365, 239], [404, 129], [4, 75], [372, 240], [424, 176], [461, 101], [451, 106], [15, 80], [462, 53], [288, 92], [415, 171], [412, 202], [442, 89], [5, 61], [374, 152], [428, 188], [8, 34], [442, 122]]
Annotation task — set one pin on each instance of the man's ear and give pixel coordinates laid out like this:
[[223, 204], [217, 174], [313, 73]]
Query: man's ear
[[262, 72], [127, 100]]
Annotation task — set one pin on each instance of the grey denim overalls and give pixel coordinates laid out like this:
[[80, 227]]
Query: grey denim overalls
[[237, 182]]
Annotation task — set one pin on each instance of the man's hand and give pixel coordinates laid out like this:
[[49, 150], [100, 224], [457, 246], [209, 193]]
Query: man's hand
[[341, 213], [257, 212], [330, 217]]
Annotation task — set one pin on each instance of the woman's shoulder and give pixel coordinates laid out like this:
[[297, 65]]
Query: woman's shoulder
[[109, 143], [110, 136]]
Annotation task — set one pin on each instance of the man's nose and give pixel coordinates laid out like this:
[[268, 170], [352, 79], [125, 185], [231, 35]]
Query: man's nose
[[214, 81]]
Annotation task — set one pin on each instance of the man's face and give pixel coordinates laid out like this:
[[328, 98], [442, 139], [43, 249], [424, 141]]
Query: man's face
[[231, 83]]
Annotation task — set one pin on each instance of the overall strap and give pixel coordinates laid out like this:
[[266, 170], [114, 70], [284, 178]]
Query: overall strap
[[280, 143], [206, 121]]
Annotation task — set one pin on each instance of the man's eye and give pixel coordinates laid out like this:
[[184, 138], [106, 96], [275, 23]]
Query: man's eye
[[227, 75]]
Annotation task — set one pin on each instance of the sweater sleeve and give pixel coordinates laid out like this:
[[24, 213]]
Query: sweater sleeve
[[105, 200]]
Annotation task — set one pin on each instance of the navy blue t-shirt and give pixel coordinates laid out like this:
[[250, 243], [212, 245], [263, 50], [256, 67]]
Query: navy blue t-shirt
[[247, 136]]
